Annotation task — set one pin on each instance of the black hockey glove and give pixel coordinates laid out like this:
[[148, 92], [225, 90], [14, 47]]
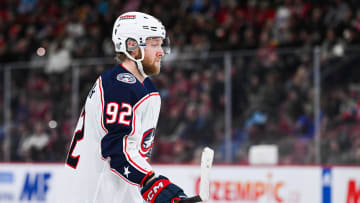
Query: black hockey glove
[[161, 190]]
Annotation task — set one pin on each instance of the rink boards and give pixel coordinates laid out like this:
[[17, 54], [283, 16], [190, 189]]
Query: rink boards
[[230, 183]]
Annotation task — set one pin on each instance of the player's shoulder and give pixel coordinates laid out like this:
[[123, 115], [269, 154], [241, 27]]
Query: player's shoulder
[[118, 76], [119, 79], [119, 82], [150, 86]]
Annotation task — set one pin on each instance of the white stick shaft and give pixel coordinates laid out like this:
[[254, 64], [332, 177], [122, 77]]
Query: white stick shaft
[[206, 164]]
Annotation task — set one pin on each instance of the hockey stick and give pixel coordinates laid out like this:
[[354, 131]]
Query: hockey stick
[[207, 157]]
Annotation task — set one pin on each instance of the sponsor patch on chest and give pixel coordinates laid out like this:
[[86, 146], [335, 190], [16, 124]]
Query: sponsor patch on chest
[[126, 78]]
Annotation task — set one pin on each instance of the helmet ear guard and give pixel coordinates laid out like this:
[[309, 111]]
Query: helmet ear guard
[[131, 44]]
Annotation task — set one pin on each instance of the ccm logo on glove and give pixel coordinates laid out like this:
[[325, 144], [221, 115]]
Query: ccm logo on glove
[[156, 189], [161, 190]]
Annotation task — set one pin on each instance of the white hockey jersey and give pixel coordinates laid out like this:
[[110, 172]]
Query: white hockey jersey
[[108, 157]]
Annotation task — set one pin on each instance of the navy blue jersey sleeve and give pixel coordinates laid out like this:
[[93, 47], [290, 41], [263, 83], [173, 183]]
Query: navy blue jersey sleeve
[[119, 144]]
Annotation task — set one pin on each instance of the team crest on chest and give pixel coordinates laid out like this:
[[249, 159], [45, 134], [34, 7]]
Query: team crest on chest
[[126, 78]]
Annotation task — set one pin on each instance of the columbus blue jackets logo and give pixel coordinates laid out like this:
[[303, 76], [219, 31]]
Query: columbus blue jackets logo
[[147, 142], [126, 78]]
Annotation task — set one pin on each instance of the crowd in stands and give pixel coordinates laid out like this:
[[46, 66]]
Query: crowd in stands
[[272, 87]]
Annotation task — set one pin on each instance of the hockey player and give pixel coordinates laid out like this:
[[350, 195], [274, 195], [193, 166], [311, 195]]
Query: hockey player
[[111, 146]]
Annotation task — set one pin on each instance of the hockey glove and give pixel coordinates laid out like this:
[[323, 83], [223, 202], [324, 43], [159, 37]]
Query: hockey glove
[[161, 190]]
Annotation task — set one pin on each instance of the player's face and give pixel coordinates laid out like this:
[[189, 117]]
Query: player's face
[[153, 54]]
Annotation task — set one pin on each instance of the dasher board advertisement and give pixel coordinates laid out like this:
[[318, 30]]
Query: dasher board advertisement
[[252, 184], [346, 184], [40, 183], [29, 182]]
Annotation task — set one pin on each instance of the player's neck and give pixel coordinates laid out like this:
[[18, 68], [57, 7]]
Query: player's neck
[[132, 68]]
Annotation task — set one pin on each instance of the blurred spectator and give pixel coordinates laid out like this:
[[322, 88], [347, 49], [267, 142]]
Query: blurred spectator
[[56, 146], [301, 153], [59, 59], [305, 126], [26, 6], [331, 46], [33, 147]]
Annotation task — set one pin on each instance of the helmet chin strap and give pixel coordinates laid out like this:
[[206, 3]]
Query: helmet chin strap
[[141, 69], [138, 61]]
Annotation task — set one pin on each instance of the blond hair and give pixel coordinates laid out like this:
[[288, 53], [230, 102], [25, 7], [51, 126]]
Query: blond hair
[[120, 57]]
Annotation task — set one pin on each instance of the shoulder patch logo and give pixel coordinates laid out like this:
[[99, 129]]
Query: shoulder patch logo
[[147, 142], [126, 78]]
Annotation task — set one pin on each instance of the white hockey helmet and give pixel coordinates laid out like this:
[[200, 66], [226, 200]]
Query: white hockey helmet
[[138, 27]]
